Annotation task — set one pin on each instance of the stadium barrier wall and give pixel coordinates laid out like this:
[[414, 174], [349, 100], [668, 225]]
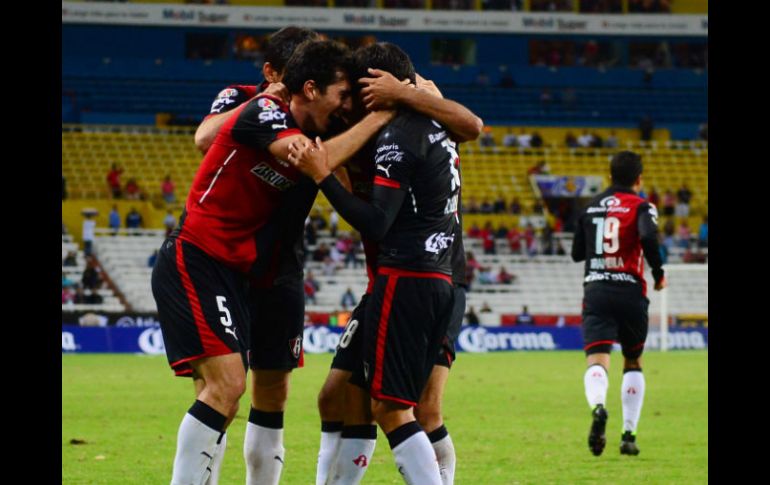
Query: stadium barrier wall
[[321, 339]]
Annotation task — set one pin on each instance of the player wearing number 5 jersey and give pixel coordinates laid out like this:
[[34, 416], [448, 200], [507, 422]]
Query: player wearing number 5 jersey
[[615, 231]]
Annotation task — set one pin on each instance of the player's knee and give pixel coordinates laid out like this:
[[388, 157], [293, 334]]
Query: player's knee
[[633, 362], [429, 417], [385, 411], [272, 396], [329, 401], [227, 391]]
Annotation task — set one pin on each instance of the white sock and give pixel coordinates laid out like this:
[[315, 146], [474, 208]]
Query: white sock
[[352, 461], [330, 441], [416, 460], [263, 451], [596, 384], [216, 462], [196, 445], [632, 395], [445, 454]]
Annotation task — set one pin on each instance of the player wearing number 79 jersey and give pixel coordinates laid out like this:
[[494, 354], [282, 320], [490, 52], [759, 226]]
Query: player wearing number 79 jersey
[[614, 232]]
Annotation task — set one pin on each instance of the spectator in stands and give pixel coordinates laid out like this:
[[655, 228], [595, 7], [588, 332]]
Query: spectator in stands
[[653, 197], [486, 277], [537, 207], [668, 203], [596, 140], [334, 222], [485, 308], [318, 221], [612, 140], [80, 296], [524, 318], [67, 295], [683, 196], [645, 128], [134, 221], [487, 140], [663, 248], [524, 139], [321, 252], [311, 288], [65, 281], [488, 238], [472, 207], [63, 188], [668, 235], [683, 234], [169, 222], [504, 277], [70, 259], [537, 140], [703, 233], [329, 267], [348, 299], [546, 98], [473, 319], [515, 207], [546, 238], [152, 259], [540, 169], [133, 192], [514, 240], [471, 267], [167, 190], [570, 140], [114, 220], [502, 231], [486, 207], [351, 255], [530, 240], [93, 297], [499, 205], [585, 139], [91, 275], [474, 231], [691, 256], [113, 181], [509, 140], [89, 226]]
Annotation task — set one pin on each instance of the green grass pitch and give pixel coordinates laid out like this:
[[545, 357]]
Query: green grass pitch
[[515, 418]]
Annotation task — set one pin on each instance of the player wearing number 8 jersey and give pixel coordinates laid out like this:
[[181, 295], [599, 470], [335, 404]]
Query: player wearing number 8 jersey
[[614, 232]]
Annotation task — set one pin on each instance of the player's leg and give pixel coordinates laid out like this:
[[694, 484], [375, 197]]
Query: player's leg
[[277, 320], [632, 337], [428, 411], [201, 307], [202, 430], [406, 320], [599, 333], [219, 455], [358, 435], [331, 404]]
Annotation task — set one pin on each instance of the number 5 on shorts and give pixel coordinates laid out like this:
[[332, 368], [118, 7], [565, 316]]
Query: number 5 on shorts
[[226, 320]]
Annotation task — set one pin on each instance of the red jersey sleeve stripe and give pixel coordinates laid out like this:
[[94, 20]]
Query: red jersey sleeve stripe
[[386, 182]]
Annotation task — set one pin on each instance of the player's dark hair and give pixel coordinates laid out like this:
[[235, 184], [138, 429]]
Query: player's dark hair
[[281, 45], [319, 60], [625, 168], [384, 56]]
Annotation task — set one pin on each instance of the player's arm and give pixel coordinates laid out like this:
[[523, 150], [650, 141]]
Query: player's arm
[[343, 177], [579, 242], [345, 145], [384, 91], [372, 220], [647, 224], [222, 109]]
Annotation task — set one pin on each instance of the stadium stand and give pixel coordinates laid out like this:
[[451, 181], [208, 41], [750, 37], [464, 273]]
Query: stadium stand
[[110, 302]]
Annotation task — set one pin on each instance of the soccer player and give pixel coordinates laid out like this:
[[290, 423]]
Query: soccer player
[[346, 450], [615, 229], [412, 217], [199, 281]]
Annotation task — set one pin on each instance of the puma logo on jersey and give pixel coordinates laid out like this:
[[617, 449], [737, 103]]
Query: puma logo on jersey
[[386, 170]]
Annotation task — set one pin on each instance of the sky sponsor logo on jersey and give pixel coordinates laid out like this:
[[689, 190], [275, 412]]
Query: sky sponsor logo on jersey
[[151, 342], [478, 339], [438, 241], [272, 115]]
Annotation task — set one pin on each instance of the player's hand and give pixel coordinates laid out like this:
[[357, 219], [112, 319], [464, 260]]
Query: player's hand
[[661, 284], [310, 158], [278, 90], [428, 85], [382, 90]]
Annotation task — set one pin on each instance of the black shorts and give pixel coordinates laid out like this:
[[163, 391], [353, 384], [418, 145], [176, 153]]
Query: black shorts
[[277, 326], [349, 354], [201, 305], [614, 313], [406, 319], [446, 353]]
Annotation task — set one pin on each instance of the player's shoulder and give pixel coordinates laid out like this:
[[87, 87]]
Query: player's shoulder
[[410, 130]]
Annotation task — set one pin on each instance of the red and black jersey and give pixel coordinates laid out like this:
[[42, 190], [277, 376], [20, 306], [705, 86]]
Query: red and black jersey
[[361, 174], [614, 231], [233, 96], [240, 184], [414, 153]]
